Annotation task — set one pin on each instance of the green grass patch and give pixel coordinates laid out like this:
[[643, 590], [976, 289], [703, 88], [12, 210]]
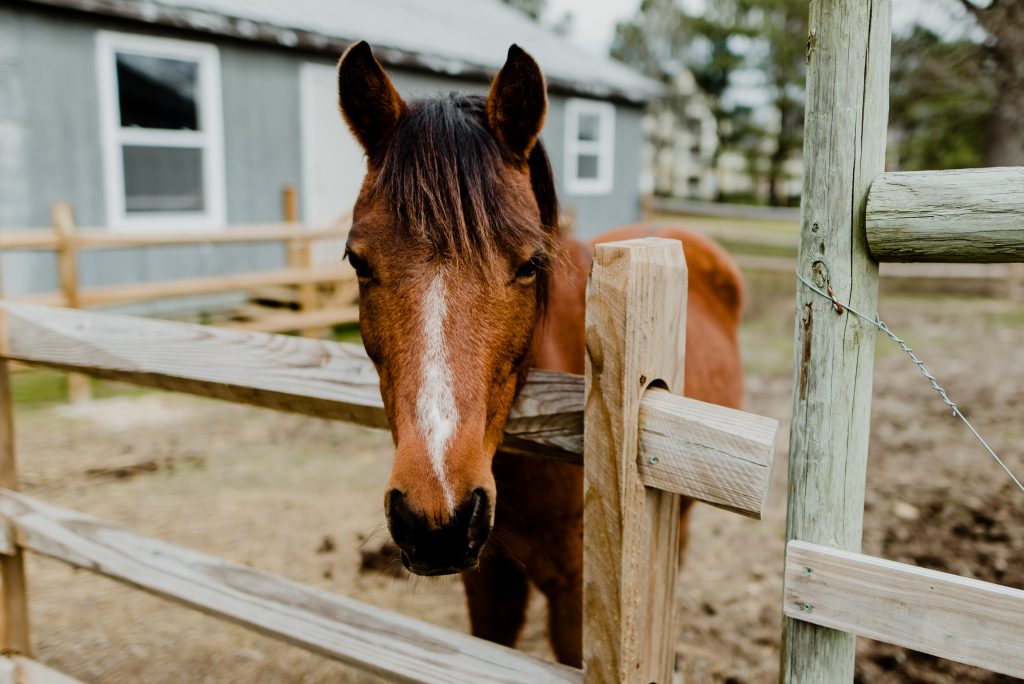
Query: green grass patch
[[348, 332], [42, 387]]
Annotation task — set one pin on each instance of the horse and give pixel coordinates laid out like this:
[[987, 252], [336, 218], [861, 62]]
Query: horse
[[466, 282]]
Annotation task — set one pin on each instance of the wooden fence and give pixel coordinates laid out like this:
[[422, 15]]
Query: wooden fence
[[853, 216], [312, 314], [67, 241], [644, 447], [763, 248]]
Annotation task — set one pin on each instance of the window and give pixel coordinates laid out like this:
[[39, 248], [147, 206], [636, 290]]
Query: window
[[162, 136], [589, 147]]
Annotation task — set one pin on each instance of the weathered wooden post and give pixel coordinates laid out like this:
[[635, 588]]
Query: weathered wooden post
[[844, 149], [299, 254], [63, 218], [13, 595], [635, 328]]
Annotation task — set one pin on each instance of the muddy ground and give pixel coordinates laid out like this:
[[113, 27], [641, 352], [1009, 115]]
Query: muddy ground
[[302, 497]]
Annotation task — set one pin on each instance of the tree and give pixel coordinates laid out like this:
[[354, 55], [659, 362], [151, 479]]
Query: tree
[[1002, 22], [941, 97], [731, 34], [662, 40], [777, 29]]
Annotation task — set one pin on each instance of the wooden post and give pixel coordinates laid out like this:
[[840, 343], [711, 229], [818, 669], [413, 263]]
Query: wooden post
[[13, 595], [844, 150], [635, 328], [299, 254], [79, 389]]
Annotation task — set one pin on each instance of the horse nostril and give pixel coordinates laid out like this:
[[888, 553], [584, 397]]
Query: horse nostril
[[479, 521], [401, 519]]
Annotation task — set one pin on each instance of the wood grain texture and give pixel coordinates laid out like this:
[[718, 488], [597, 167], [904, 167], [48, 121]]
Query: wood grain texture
[[707, 451], [367, 637], [337, 381], [966, 216], [953, 617], [24, 670], [848, 52], [14, 620], [635, 327]]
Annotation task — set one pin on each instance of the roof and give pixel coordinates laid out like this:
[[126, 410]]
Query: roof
[[466, 38]]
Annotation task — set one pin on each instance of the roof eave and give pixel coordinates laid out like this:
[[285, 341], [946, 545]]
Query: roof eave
[[203, 21]]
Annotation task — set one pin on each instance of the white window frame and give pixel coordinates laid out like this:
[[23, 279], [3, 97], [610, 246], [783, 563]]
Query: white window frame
[[603, 147], [210, 139]]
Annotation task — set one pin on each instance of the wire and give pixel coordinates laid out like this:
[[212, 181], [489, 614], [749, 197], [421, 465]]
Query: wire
[[842, 307]]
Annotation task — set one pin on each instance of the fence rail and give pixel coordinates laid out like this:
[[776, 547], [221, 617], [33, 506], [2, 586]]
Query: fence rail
[[726, 463], [367, 637], [67, 241], [963, 619], [662, 445]]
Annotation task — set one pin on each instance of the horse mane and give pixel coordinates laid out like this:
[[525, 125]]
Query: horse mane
[[440, 171]]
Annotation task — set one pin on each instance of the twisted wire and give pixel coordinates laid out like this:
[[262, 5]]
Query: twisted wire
[[876, 321]]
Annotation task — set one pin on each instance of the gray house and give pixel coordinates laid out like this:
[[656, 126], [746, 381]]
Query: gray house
[[192, 115]]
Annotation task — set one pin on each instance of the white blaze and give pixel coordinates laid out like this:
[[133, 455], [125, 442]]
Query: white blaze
[[436, 413]]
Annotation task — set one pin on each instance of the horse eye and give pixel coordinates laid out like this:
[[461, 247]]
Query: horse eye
[[362, 268], [529, 268]]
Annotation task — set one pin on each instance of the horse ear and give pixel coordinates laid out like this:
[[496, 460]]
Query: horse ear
[[517, 103], [368, 101]]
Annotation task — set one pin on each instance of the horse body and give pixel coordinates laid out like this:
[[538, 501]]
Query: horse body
[[538, 527], [466, 282]]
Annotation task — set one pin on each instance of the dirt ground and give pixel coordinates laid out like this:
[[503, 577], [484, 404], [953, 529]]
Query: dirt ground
[[302, 497]]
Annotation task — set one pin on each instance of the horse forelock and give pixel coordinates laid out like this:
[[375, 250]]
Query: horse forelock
[[441, 174]]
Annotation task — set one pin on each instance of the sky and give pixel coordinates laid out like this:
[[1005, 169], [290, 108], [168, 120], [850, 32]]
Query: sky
[[594, 20]]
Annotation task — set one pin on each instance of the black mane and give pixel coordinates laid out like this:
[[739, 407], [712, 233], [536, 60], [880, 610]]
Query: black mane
[[440, 172]]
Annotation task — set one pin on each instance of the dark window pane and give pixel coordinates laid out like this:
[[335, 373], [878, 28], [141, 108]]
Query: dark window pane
[[586, 166], [163, 179], [589, 127], [155, 92]]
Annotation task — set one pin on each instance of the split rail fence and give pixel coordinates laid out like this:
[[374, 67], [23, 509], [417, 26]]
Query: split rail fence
[[312, 314], [853, 216], [641, 448]]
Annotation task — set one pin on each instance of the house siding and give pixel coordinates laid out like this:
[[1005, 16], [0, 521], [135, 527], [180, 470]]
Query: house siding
[[50, 149]]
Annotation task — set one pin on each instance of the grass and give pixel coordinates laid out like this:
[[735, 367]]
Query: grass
[[39, 388], [348, 332]]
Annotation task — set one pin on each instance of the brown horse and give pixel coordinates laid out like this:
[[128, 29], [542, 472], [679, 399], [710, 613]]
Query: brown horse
[[465, 283]]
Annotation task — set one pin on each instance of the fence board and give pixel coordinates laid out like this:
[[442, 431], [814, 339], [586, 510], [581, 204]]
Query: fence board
[[728, 453], [22, 670], [946, 615], [102, 238], [964, 216], [364, 636], [337, 381], [636, 327]]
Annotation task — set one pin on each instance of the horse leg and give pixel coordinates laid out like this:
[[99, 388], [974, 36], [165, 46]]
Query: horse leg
[[565, 620], [685, 507], [496, 592]]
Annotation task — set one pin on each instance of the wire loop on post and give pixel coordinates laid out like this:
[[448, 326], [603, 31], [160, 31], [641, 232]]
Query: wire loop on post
[[840, 307]]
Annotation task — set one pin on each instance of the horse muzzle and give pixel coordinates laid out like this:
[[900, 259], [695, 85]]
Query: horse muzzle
[[431, 549]]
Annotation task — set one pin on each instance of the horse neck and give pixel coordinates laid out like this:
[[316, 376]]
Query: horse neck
[[559, 338]]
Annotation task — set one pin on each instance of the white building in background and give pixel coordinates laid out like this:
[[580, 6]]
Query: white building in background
[[682, 139], [682, 156]]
